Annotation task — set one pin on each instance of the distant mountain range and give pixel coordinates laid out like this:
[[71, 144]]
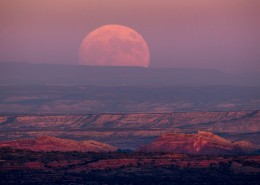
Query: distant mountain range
[[25, 73]]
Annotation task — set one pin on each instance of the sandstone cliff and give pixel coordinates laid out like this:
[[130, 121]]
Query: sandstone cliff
[[201, 143], [47, 143]]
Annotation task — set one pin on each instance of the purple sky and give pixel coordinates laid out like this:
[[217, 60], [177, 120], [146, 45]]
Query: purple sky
[[218, 34]]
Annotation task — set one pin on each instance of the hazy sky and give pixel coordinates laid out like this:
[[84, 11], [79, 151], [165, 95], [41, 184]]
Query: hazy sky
[[218, 34]]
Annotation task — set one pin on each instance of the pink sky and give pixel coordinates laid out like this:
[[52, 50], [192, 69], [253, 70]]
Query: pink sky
[[218, 34]]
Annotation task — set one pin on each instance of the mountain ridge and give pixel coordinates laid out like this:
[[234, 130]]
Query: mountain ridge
[[28, 73]]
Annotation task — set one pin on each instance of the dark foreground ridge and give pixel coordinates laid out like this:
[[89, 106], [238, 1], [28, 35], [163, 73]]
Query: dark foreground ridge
[[33, 168]]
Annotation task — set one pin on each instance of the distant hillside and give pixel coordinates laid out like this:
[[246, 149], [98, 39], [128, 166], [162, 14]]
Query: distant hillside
[[24, 74], [46, 143], [131, 130], [201, 143], [66, 99]]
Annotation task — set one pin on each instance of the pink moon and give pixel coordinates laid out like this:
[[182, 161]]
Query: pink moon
[[114, 45]]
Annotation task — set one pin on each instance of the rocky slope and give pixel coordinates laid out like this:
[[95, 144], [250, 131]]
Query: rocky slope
[[201, 143], [239, 121], [131, 130], [35, 168], [47, 143]]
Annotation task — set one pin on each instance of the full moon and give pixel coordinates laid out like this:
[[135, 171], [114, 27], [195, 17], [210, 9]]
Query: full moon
[[114, 45]]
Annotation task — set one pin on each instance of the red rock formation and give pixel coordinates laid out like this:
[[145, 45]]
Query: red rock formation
[[201, 143], [47, 143]]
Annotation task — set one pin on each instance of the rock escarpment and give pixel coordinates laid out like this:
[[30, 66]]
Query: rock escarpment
[[201, 143], [47, 143]]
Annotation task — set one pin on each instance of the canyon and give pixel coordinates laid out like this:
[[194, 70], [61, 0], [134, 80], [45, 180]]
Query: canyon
[[130, 131]]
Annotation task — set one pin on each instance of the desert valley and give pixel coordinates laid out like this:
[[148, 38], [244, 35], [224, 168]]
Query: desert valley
[[114, 92], [158, 148]]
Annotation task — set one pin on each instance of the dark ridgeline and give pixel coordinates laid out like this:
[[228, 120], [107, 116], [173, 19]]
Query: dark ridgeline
[[35, 168], [24, 74], [70, 89]]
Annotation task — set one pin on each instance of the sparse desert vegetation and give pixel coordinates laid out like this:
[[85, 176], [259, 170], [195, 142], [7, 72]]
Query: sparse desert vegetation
[[28, 167]]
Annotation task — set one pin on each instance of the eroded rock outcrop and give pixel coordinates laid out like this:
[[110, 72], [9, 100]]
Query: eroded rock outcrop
[[201, 143], [47, 143]]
